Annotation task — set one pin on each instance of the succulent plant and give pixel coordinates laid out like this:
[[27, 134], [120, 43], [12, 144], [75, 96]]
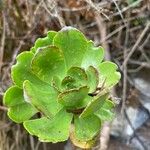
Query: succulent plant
[[64, 80]]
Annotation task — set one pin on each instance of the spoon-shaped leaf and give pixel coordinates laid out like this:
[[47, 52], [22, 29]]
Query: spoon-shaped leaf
[[69, 83], [73, 97], [95, 104], [73, 44], [48, 62], [44, 98], [50, 130], [87, 128], [21, 71], [19, 110], [108, 74], [84, 102], [93, 56], [78, 74], [109, 104], [93, 78], [105, 112], [42, 42], [78, 143]]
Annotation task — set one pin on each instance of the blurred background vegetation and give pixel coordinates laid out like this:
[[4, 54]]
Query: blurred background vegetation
[[122, 27]]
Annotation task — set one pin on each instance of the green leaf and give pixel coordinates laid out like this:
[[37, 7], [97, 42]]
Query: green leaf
[[73, 44], [78, 74], [95, 104], [19, 110], [78, 143], [13, 96], [21, 71], [87, 128], [109, 104], [108, 74], [42, 42], [48, 62], [50, 130], [69, 83], [73, 97], [93, 78], [44, 98], [80, 106], [84, 102], [93, 56], [105, 112], [77, 50]]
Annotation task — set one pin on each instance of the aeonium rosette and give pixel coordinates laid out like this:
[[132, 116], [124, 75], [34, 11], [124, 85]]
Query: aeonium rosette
[[63, 79]]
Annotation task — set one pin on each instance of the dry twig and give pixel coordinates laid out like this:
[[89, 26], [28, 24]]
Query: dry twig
[[136, 44]]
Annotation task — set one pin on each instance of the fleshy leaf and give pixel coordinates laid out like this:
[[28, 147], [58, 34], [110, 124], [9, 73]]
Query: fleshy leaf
[[44, 98], [87, 128], [93, 78], [81, 144], [84, 102], [78, 74], [13, 96], [109, 104], [73, 44], [47, 62], [105, 112], [21, 71], [73, 97], [19, 110], [93, 56], [42, 42], [108, 74], [95, 104], [69, 83], [50, 130]]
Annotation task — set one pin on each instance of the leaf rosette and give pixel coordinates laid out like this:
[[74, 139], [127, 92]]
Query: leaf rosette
[[64, 80]]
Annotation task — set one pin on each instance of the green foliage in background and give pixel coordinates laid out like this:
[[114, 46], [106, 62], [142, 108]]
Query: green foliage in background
[[62, 81]]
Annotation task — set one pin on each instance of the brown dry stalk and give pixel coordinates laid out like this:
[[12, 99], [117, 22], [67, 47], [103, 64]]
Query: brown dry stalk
[[2, 42], [104, 135]]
